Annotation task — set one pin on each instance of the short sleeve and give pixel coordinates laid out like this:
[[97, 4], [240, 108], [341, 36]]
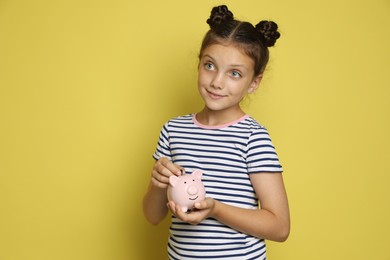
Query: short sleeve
[[261, 153], [163, 146]]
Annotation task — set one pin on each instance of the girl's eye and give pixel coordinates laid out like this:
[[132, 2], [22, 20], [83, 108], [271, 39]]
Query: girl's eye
[[236, 74], [209, 66]]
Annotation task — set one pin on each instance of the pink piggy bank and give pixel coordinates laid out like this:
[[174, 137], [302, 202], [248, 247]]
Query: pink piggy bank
[[186, 190]]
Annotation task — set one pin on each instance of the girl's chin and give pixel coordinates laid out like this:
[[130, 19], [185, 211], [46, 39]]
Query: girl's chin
[[219, 108]]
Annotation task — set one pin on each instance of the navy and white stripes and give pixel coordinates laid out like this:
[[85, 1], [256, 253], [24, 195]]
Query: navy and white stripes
[[226, 155]]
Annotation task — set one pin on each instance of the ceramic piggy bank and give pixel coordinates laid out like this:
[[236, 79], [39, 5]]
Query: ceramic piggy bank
[[186, 190]]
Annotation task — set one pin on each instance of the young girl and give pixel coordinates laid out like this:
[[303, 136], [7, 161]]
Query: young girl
[[241, 170]]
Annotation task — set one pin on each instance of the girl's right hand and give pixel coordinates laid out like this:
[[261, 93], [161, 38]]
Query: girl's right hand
[[162, 170]]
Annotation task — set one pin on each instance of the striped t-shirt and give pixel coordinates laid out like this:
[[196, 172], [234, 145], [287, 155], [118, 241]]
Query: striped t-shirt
[[227, 155]]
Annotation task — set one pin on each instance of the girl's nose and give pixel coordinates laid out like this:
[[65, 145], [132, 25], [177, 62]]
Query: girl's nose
[[217, 81]]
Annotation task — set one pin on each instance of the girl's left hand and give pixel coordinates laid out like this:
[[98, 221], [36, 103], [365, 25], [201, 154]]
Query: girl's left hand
[[201, 211]]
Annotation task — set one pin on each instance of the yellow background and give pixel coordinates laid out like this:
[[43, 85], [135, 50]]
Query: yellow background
[[85, 87]]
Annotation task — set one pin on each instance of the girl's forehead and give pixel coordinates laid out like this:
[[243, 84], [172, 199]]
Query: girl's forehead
[[231, 53], [223, 45]]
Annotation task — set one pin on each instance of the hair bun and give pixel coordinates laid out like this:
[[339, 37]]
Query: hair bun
[[219, 15], [269, 32]]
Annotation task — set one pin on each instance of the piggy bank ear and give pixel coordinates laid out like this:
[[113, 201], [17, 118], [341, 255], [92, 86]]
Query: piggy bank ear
[[197, 174], [173, 180]]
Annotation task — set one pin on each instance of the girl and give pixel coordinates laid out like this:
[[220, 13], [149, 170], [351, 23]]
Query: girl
[[240, 164]]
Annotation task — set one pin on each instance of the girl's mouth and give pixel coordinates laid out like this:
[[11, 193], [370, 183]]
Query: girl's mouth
[[214, 96]]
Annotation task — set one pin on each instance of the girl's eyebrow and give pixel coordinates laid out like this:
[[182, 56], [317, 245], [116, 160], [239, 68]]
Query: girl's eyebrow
[[207, 56]]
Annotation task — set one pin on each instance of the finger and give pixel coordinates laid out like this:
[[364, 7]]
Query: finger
[[180, 214], [162, 170], [159, 184], [172, 207], [160, 177], [204, 204], [197, 205], [192, 217], [171, 167]]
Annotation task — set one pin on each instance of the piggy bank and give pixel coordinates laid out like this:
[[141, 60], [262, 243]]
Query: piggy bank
[[186, 190]]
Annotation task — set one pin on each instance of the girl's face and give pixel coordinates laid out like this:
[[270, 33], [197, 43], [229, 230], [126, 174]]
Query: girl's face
[[225, 76]]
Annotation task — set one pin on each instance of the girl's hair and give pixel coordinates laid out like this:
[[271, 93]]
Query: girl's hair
[[253, 40]]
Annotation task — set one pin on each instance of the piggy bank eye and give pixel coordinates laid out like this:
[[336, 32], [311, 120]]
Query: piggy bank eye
[[185, 182], [193, 179]]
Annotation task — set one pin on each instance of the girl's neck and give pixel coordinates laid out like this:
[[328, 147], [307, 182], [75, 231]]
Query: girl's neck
[[214, 118]]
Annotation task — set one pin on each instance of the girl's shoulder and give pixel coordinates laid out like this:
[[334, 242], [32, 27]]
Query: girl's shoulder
[[255, 130], [179, 120], [253, 124]]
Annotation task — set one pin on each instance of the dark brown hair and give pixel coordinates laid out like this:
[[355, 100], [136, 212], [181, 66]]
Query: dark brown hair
[[252, 40]]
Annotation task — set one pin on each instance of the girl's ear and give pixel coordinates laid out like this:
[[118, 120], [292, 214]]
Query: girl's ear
[[255, 84]]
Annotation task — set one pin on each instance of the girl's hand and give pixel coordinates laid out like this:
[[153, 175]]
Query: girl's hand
[[202, 210], [162, 170]]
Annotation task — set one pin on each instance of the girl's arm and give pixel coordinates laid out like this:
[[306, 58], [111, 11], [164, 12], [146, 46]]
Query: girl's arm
[[155, 200], [154, 204], [271, 221]]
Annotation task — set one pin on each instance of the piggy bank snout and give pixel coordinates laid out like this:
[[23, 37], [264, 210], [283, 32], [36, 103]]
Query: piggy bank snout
[[192, 190]]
